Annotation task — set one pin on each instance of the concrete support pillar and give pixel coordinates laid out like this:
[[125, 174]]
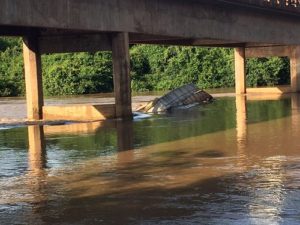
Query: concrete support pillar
[[240, 70], [295, 68], [33, 78], [121, 68]]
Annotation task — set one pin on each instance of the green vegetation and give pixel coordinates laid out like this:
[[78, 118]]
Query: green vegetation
[[152, 68], [82, 73], [11, 68]]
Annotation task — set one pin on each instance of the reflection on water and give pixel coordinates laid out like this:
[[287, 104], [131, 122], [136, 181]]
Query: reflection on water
[[236, 161], [37, 152]]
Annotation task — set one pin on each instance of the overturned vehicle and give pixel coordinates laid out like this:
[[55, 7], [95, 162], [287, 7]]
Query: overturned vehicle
[[183, 97]]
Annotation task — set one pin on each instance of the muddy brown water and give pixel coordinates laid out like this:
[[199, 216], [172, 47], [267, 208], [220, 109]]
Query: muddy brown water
[[235, 161]]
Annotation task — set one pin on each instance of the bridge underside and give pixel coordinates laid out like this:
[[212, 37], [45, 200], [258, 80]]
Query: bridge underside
[[60, 41], [60, 26]]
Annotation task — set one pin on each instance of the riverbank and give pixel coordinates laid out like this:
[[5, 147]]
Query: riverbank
[[13, 110]]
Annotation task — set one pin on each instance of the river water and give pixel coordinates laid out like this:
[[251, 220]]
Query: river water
[[235, 161]]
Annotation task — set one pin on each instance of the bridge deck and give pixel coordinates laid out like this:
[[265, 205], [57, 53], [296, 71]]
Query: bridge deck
[[189, 22]]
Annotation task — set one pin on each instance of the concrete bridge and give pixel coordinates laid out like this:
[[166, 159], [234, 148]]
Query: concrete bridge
[[255, 28]]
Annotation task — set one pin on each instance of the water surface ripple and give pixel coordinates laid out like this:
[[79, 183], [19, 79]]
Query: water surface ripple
[[235, 161]]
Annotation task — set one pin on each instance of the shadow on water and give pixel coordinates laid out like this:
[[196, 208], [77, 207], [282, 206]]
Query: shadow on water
[[186, 187], [210, 154], [208, 201]]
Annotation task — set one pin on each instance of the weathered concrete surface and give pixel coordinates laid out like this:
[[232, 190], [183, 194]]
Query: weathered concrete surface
[[270, 90], [121, 71], [75, 43], [13, 109], [79, 112], [177, 18], [240, 70], [269, 51], [33, 78], [295, 69]]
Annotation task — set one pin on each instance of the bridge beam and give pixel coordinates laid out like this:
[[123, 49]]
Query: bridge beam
[[33, 78], [75, 43], [240, 70], [121, 69], [268, 51]]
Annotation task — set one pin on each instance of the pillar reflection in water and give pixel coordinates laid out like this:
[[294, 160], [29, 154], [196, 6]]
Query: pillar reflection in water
[[37, 152], [37, 175], [241, 129], [241, 118], [295, 104], [268, 198], [125, 140], [266, 207]]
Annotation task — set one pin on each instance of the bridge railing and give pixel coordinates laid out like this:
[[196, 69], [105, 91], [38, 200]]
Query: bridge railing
[[285, 5]]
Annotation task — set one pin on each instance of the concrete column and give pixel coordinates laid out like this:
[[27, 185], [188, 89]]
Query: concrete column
[[295, 68], [240, 70], [33, 78], [121, 68]]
